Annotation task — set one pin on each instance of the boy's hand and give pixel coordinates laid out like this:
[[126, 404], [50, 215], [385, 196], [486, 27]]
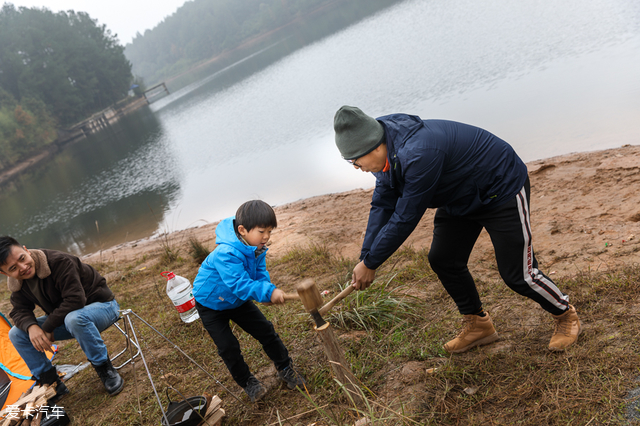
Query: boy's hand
[[277, 296]]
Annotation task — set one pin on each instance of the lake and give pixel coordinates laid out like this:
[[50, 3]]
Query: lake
[[548, 77]]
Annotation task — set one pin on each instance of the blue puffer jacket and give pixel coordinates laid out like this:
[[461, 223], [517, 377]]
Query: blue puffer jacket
[[435, 163], [232, 274]]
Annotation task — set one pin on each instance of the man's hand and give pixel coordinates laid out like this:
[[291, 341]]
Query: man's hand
[[277, 296], [40, 339], [362, 276]]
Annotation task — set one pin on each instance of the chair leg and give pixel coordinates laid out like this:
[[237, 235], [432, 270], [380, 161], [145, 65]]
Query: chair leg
[[122, 352]]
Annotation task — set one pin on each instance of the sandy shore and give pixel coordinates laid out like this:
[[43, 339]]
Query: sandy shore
[[585, 217]]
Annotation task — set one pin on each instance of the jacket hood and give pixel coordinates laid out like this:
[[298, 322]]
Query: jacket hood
[[397, 128], [226, 234]]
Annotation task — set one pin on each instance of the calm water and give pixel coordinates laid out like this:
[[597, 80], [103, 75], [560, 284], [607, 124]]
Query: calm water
[[549, 77]]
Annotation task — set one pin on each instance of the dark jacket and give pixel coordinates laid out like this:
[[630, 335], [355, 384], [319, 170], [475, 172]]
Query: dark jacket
[[435, 163], [67, 283]]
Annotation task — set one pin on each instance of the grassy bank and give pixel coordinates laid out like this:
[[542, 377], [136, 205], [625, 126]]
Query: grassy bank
[[392, 336]]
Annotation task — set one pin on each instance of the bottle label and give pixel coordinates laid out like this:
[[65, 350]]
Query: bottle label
[[188, 305]]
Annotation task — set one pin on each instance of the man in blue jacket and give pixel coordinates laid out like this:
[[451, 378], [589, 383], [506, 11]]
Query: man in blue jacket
[[476, 181]]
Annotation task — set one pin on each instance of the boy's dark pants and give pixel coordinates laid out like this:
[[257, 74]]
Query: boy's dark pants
[[251, 320]]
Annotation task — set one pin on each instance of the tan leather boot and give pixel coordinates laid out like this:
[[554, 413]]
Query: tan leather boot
[[568, 328], [476, 330]]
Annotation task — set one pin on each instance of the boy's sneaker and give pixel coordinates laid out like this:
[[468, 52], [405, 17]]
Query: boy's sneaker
[[292, 378], [568, 328], [476, 331], [254, 389]]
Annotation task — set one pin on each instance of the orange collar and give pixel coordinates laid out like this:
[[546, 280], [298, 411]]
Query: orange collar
[[386, 166]]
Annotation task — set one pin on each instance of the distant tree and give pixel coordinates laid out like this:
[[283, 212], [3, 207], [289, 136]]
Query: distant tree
[[65, 59], [201, 29], [24, 128]]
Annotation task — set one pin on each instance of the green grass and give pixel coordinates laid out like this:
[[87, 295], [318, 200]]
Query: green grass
[[377, 308], [392, 336]]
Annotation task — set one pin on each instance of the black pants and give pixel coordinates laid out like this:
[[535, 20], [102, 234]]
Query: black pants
[[251, 320], [509, 227]]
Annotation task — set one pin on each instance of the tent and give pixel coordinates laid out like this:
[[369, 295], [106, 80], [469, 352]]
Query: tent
[[15, 377]]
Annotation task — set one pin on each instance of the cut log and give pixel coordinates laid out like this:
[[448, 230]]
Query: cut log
[[50, 392], [213, 405], [41, 401], [29, 409], [215, 418], [10, 421]]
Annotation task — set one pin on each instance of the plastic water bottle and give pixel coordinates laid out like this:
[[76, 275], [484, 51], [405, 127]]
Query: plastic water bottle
[[180, 292]]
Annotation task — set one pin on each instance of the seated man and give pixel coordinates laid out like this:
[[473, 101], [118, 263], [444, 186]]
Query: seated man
[[77, 302]]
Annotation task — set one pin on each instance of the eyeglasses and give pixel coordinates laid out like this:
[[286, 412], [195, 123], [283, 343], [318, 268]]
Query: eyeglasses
[[353, 162]]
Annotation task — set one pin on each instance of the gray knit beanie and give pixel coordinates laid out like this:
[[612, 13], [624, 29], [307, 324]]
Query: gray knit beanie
[[357, 134]]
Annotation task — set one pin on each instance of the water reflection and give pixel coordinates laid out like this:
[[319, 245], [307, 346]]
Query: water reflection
[[239, 64], [114, 186]]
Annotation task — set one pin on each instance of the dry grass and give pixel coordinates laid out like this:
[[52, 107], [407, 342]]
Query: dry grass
[[197, 249], [406, 376]]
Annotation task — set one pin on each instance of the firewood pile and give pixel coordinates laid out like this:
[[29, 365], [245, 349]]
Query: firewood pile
[[214, 413], [31, 408]]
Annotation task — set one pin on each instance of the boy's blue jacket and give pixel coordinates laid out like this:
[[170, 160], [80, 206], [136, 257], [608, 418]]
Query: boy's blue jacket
[[232, 274], [435, 163]]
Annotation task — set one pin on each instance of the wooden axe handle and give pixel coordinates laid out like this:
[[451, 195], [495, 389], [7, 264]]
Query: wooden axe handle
[[331, 303], [291, 296]]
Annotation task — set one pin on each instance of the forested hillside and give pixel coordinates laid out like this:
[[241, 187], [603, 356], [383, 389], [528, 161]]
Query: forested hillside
[[203, 29], [55, 70]]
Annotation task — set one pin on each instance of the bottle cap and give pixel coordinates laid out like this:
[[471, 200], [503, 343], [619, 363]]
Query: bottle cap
[[168, 275]]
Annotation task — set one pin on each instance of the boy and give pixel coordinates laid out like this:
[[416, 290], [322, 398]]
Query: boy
[[229, 279]]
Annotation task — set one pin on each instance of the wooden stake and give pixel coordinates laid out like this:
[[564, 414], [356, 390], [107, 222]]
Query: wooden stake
[[339, 363]]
